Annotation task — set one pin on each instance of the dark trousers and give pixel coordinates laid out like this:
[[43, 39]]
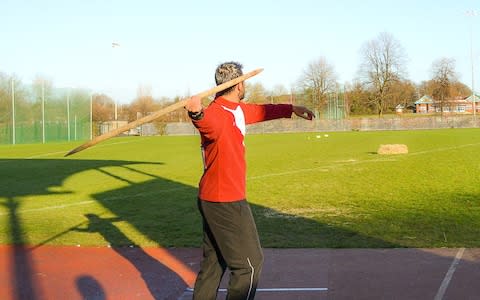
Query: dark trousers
[[230, 239]]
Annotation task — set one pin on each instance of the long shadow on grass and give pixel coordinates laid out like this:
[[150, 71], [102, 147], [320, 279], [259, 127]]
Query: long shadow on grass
[[163, 211], [30, 177]]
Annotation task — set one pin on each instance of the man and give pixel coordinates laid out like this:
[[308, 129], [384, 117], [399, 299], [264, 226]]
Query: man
[[230, 237]]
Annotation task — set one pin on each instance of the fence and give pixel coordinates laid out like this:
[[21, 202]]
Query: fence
[[40, 113], [352, 124]]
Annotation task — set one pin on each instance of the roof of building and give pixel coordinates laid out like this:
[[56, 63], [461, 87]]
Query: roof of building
[[469, 98], [424, 100]]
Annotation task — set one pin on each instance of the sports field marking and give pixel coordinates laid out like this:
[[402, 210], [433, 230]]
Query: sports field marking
[[322, 168], [286, 290], [45, 154], [13, 159], [449, 275], [319, 289], [355, 162], [62, 152], [23, 211], [443, 149]]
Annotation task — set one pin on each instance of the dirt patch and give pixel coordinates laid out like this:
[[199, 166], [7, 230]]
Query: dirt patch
[[392, 149]]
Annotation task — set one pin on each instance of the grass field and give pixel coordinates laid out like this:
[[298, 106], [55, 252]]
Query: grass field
[[305, 191]]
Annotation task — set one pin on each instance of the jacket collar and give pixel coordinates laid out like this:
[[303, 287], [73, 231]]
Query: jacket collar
[[224, 102]]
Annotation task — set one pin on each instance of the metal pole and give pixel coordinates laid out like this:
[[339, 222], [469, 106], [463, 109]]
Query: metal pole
[[91, 117], [75, 131], [114, 46], [13, 112], [68, 113], [43, 112], [472, 13], [473, 72]]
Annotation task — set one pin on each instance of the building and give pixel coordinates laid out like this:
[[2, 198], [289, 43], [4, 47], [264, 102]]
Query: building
[[426, 105], [401, 108]]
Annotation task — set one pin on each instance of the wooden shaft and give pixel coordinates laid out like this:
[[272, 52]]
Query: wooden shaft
[[166, 110]]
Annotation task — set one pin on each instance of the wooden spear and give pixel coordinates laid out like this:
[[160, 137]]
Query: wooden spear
[[162, 112]]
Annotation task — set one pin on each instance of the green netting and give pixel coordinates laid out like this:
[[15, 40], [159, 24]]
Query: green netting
[[335, 106], [41, 114]]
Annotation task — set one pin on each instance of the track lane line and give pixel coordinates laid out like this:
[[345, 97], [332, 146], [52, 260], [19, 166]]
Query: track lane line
[[448, 277]]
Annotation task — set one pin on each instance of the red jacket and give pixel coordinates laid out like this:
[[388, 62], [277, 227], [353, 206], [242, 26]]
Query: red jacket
[[222, 130]]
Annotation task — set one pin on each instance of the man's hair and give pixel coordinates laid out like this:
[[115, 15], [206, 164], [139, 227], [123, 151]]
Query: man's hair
[[226, 72]]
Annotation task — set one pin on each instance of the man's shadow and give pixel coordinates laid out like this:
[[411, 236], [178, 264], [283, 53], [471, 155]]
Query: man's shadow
[[22, 178], [154, 273], [90, 288]]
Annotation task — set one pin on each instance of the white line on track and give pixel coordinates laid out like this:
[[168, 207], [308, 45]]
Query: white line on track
[[449, 275], [286, 290], [189, 291]]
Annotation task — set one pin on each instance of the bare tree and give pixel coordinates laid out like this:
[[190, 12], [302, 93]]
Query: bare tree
[[457, 89], [5, 97], [358, 99], [402, 92], [255, 93], [279, 94], [443, 77], [317, 80], [143, 104], [383, 64], [42, 87], [103, 108]]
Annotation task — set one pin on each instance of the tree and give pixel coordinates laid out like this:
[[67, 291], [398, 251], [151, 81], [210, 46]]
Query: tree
[[255, 93], [402, 92], [317, 80], [443, 77], [42, 88], [383, 64], [457, 89], [102, 108], [359, 99], [143, 104], [279, 94], [5, 99]]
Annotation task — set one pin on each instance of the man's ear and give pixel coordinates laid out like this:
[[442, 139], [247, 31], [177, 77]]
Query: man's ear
[[239, 87]]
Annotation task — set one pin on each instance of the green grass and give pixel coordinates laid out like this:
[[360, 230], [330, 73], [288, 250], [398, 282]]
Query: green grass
[[305, 191]]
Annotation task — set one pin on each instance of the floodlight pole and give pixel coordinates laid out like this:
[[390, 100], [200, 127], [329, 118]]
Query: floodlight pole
[[43, 112], [116, 45], [472, 13], [68, 113], [13, 112], [91, 116], [473, 78]]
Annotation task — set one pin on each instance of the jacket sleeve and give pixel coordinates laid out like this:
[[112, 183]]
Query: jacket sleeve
[[210, 126], [263, 112]]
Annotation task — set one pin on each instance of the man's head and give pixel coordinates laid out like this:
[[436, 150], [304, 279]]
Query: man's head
[[226, 72]]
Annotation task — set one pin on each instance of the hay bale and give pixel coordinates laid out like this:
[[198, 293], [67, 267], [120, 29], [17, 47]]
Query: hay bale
[[392, 149]]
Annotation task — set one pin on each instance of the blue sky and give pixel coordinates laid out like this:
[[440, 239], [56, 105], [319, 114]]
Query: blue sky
[[174, 46]]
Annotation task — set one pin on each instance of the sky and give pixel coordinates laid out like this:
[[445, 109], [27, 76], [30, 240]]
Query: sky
[[175, 46]]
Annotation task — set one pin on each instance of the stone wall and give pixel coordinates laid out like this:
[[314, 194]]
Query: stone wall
[[355, 124]]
